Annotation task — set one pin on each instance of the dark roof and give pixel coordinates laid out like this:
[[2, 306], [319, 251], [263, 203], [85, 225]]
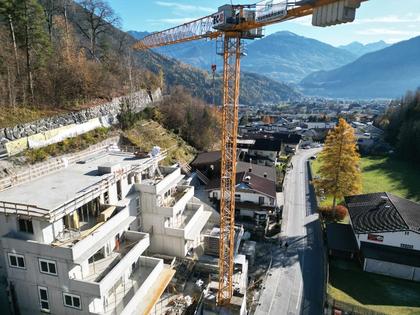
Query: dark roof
[[393, 254], [267, 145], [207, 158], [256, 183], [258, 170], [382, 212], [409, 211], [285, 137], [341, 237], [288, 138]]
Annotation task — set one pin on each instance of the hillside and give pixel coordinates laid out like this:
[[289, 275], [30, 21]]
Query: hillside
[[282, 56], [359, 49], [389, 72], [147, 134]]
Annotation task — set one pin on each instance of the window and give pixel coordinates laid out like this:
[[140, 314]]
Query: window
[[43, 299], [119, 190], [106, 197], [48, 266], [407, 246], [72, 300], [16, 261], [130, 179], [237, 197], [261, 200], [25, 226], [407, 233], [138, 205]]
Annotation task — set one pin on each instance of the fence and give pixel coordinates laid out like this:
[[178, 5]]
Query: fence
[[48, 167]]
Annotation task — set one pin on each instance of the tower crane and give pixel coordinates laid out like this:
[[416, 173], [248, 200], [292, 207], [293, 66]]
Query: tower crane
[[231, 24]]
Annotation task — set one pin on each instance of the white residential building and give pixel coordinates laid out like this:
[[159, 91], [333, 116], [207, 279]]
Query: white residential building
[[73, 241], [387, 232], [252, 195], [174, 221]]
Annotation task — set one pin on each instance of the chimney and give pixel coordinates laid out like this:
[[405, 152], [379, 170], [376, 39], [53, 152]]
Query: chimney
[[265, 175], [250, 169]]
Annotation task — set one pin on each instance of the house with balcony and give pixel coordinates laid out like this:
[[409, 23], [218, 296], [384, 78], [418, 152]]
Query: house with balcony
[[170, 214], [254, 194], [72, 240]]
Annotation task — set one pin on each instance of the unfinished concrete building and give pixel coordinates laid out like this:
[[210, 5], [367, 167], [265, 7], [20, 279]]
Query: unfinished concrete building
[[169, 213], [73, 240]]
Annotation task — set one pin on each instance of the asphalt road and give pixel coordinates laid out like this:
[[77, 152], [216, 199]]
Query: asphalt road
[[295, 282]]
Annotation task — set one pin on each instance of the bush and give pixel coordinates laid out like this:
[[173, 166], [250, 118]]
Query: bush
[[36, 155], [67, 145], [328, 214]]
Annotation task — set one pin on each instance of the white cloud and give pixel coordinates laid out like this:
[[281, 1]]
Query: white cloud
[[386, 31], [184, 7], [390, 19]]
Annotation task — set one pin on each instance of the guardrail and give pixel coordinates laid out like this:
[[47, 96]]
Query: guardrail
[[88, 194], [48, 167]]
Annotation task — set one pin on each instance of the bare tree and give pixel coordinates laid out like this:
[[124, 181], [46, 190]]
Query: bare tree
[[98, 16]]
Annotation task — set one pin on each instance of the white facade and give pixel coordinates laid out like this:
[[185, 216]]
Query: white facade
[[85, 255], [392, 269], [403, 239], [169, 213], [247, 196]]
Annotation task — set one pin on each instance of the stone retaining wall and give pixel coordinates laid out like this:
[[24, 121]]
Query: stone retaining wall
[[18, 138]]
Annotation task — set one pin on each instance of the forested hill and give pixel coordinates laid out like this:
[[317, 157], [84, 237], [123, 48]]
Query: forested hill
[[54, 53], [58, 53]]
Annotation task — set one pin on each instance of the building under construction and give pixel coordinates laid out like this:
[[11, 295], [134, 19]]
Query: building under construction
[[106, 232]]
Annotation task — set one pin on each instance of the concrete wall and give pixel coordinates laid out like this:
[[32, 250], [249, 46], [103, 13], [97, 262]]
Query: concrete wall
[[53, 129], [393, 239]]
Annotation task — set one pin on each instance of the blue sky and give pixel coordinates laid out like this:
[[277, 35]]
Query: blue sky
[[388, 20]]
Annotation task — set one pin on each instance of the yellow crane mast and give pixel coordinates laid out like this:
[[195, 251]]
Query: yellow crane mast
[[231, 24]]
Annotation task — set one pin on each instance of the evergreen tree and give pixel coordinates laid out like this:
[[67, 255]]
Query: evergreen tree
[[339, 171], [32, 36]]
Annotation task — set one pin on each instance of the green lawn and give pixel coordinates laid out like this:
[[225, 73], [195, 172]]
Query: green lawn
[[386, 174], [349, 284]]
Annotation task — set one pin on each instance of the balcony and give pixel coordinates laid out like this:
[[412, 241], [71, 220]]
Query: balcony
[[168, 177], [104, 273], [94, 233], [176, 201], [130, 294], [189, 224]]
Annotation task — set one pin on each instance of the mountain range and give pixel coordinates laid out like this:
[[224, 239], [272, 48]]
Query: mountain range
[[389, 72], [376, 70], [282, 56], [359, 49]]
